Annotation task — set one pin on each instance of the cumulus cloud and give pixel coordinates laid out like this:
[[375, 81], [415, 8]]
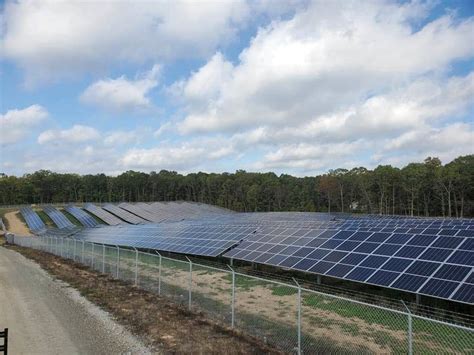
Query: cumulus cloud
[[15, 124], [52, 39], [75, 134], [122, 94], [177, 156], [330, 55]]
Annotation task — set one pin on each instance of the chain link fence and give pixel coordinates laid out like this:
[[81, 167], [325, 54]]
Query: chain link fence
[[290, 317]]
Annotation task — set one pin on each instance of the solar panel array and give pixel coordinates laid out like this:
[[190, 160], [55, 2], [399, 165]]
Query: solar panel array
[[123, 214], [32, 219], [173, 237], [86, 219], [102, 214], [58, 218], [431, 261], [140, 212]]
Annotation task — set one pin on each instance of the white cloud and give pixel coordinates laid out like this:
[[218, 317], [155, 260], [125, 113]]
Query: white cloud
[[123, 137], [52, 39], [178, 156], [121, 94], [15, 124], [324, 60], [75, 134]]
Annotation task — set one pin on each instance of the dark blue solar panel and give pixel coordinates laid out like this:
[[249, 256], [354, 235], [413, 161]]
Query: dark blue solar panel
[[318, 254], [360, 274], [353, 258], [332, 243], [379, 237], [348, 246], [383, 278], [409, 282], [316, 242], [305, 264], [360, 236], [423, 268], [374, 261], [289, 262], [411, 252], [467, 245], [396, 264], [421, 240], [335, 256], [462, 257], [466, 233], [366, 247], [398, 238], [435, 254], [387, 249], [448, 232], [439, 288], [321, 267], [339, 270], [447, 242], [452, 272], [464, 294]]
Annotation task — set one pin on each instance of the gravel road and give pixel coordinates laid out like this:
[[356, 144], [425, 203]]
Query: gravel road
[[46, 316]]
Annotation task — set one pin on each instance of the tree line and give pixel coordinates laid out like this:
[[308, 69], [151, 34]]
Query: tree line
[[418, 189]]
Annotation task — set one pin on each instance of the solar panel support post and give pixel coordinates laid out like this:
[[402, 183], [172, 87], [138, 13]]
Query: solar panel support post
[[410, 329], [159, 273], [118, 261], [136, 266], [103, 258], [233, 296], [299, 315]]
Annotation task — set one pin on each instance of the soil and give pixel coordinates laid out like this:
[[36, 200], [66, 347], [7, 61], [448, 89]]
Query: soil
[[15, 225], [162, 324]]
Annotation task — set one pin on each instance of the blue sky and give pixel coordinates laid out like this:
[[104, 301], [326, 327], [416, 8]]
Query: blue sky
[[295, 87]]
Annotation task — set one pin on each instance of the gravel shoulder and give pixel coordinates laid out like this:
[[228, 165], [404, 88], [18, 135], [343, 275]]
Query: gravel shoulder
[[46, 316]]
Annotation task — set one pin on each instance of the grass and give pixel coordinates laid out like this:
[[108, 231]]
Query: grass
[[283, 291], [45, 218], [245, 283], [73, 219]]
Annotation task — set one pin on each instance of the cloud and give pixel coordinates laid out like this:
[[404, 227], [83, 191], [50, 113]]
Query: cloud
[[75, 134], [17, 123], [55, 39], [327, 57], [178, 156], [121, 94]]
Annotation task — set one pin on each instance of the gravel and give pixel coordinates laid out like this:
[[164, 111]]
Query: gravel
[[46, 316]]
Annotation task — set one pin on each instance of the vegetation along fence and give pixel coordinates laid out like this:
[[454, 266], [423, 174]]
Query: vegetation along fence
[[288, 316]]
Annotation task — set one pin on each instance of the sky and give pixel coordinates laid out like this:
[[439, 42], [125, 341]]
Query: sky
[[295, 87]]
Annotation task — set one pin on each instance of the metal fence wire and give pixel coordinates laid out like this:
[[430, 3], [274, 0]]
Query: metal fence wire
[[292, 318]]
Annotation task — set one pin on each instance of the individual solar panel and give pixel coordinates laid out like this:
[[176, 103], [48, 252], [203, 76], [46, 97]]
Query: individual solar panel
[[123, 214], [34, 222], [58, 218], [86, 219], [102, 214], [140, 212]]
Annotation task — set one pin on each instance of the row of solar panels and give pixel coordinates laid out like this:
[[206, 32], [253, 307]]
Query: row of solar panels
[[420, 258]]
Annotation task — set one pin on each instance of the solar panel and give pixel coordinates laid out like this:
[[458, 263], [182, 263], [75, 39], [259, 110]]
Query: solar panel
[[86, 219], [32, 219], [173, 237], [102, 214], [58, 218], [140, 212], [123, 214], [430, 263]]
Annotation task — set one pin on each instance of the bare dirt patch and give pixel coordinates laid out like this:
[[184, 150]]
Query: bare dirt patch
[[163, 324], [15, 225]]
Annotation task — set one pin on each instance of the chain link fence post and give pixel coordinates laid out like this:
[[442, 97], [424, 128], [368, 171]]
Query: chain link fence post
[[75, 245], [82, 253], [136, 266], [159, 274], [118, 260], [233, 297], [410, 329], [190, 283], [299, 315], [103, 258], [93, 256]]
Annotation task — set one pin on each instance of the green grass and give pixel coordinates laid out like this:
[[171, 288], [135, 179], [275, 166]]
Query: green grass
[[245, 283], [45, 218], [73, 219], [283, 291]]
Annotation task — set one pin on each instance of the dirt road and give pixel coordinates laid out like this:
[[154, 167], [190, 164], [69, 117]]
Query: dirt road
[[15, 225], [46, 316]]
